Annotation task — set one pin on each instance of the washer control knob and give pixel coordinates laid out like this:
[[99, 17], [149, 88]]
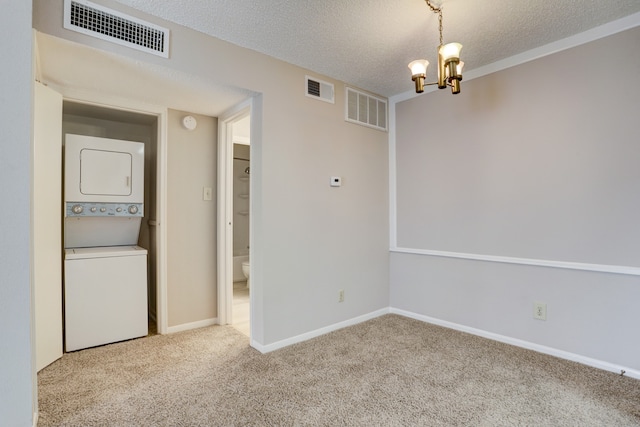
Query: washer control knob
[[103, 210], [118, 209], [93, 209], [133, 209], [77, 209]]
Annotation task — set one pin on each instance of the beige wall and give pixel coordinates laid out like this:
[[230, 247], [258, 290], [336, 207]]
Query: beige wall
[[191, 221], [308, 240]]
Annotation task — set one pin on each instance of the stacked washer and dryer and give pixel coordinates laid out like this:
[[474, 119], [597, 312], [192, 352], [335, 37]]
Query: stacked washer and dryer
[[105, 272]]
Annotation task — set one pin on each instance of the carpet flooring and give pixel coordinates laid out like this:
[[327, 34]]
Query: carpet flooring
[[389, 371], [240, 308]]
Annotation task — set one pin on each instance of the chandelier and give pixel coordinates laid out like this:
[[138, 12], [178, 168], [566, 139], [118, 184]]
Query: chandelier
[[449, 64]]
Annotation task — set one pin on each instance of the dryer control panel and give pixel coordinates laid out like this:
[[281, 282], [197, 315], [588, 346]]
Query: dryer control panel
[[85, 209]]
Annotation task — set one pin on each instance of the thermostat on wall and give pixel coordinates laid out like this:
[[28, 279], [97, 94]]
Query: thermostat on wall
[[189, 122], [336, 181]]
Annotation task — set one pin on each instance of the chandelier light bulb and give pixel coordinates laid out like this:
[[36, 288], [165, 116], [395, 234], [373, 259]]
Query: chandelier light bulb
[[418, 67], [450, 51]]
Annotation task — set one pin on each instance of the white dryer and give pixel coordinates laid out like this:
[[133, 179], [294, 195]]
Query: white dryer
[[103, 191], [105, 286]]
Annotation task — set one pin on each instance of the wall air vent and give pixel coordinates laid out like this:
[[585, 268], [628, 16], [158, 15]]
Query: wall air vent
[[319, 90], [365, 109], [98, 21]]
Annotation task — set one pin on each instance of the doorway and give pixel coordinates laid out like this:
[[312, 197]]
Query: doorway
[[234, 192], [241, 138]]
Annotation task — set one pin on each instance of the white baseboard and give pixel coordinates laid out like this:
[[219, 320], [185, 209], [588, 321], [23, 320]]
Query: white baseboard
[[313, 334], [595, 363], [192, 325]]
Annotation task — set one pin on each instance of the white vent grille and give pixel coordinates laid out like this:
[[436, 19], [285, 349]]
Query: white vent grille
[[98, 21], [365, 109], [319, 90]]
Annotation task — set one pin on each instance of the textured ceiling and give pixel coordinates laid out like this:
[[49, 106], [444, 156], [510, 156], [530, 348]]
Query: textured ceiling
[[369, 42]]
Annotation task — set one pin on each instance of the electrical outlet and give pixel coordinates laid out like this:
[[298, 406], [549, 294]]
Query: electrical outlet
[[341, 295], [540, 311]]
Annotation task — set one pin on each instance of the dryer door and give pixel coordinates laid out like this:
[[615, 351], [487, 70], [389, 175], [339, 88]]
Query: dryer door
[[103, 170], [105, 173]]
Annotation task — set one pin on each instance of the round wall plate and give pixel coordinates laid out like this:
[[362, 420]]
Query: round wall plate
[[189, 122]]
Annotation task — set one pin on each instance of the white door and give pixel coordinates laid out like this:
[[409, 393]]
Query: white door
[[47, 224]]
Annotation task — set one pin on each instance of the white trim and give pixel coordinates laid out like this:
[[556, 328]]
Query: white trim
[[601, 268], [593, 34], [225, 208], [318, 332], [600, 364], [393, 207], [36, 415], [192, 325], [162, 309]]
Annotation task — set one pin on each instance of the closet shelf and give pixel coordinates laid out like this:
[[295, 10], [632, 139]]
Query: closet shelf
[[243, 196], [243, 213]]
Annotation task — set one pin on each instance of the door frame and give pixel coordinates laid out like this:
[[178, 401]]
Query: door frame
[[160, 226], [225, 209]]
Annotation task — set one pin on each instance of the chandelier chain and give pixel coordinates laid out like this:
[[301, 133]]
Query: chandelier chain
[[437, 10]]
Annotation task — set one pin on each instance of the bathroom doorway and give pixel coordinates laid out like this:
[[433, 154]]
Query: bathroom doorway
[[234, 218], [241, 137]]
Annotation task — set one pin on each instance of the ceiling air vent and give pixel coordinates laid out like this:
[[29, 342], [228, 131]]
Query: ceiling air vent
[[366, 110], [319, 90], [107, 24]]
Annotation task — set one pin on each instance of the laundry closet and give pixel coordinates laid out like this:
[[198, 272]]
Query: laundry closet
[[176, 220], [109, 202]]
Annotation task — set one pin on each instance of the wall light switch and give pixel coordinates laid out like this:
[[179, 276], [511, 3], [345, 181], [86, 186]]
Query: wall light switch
[[206, 193], [336, 181]]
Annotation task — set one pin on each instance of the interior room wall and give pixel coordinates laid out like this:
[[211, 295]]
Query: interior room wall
[[191, 221], [529, 167], [309, 240], [17, 358]]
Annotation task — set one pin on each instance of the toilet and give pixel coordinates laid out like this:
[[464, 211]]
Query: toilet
[[245, 271]]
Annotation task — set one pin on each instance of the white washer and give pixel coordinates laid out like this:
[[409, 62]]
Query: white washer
[[105, 295]]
